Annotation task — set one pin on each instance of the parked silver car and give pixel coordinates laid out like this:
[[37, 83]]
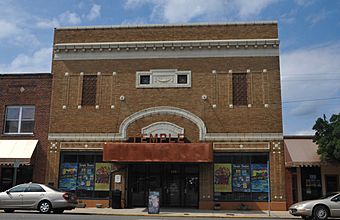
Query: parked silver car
[[320, 209], [36, 196]]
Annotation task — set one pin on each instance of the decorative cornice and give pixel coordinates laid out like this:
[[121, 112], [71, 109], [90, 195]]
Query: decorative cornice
[[101, 46], [166, 49]]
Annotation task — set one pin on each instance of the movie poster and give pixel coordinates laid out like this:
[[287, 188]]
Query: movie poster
[[153, 204], [85, 176], [259, 178], [222, 177], [68, 176], [102, 175], [241, 178]]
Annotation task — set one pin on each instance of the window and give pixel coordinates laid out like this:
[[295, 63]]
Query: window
[[163, 78], [241, 177], [240, 89], [35, 188], [182, 79], [89, 92], [19, 119], [84, 174], [19, 188], [144, 79]]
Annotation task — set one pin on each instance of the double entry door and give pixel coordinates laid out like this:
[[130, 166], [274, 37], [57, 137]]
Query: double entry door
[[177, 184]]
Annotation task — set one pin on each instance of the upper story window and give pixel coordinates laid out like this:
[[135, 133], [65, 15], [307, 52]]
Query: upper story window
[[19, 119], [182, 79], [240, 91], [144, 79], [163, 78], [89, 92]]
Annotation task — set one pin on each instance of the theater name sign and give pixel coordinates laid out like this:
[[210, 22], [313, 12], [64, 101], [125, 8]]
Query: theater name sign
[[158, 138]]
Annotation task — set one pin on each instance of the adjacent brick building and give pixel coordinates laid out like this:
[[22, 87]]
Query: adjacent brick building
[[210, 93], [25, 106], [307, 177]]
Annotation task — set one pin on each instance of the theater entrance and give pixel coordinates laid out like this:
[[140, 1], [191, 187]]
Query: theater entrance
[[178, 184]]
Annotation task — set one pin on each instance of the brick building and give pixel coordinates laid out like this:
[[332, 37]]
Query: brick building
[[25, 106], [307, 177], [192, 111]]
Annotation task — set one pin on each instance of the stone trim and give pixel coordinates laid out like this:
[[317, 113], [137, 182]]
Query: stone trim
[[241, 146], [163, 78], [243, 136], [163, 110], [208, 137], [166, 49], [163, 127]]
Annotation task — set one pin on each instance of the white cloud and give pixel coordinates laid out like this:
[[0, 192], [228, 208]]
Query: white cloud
[[68, 17], [45, 23], [15, 25], [94, 12], [248, 8], [310, 73], [39, 61], [305, 109], [135, 21], [304, 2], [317, 17], [177, 11], [305, 132], [8, 29], [289, 17]]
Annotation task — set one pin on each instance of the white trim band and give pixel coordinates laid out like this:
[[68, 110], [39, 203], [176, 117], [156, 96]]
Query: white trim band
[[166, 49], [208, 137]]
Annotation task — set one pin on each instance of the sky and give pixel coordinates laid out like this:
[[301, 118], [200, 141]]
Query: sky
[[309, 32]]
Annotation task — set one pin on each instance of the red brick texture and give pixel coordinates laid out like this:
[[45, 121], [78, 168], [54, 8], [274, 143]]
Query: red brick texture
[[37, 92]]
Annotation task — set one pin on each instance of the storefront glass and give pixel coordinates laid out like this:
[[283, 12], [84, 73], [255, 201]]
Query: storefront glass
[[241, 177], [84, 174], [311, 183]]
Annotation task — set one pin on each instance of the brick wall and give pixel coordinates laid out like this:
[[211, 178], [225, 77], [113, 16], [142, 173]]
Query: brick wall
[[167, 33], [265, 88], [37, 92]]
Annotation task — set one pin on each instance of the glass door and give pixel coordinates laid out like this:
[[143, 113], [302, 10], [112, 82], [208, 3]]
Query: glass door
[[138, 190], [6, 178], [191, 186], [173, 186]]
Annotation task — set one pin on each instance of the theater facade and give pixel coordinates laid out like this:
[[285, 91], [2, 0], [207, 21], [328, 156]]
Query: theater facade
[[192, 111]]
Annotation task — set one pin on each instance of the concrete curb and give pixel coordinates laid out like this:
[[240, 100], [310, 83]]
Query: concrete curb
[[184, 215]]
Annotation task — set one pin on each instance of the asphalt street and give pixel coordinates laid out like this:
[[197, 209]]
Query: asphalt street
[[38, 216]]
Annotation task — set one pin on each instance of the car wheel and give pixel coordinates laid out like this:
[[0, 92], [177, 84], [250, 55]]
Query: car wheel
[[44, 207], [320, 213], [58, 211], [9, 210]]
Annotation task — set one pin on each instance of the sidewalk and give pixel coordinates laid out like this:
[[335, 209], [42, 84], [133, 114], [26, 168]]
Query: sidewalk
[[167, 212]]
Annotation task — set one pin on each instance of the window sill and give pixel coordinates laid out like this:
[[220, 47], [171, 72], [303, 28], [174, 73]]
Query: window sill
[[17, 134]]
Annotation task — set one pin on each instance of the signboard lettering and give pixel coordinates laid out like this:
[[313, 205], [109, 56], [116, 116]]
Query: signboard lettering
[[158, 138]]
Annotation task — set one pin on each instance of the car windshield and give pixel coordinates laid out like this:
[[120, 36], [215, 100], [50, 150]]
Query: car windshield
[[55, 189], [329, 196]]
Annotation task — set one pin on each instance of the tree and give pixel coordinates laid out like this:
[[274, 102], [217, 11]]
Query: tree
[[327, 137]]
